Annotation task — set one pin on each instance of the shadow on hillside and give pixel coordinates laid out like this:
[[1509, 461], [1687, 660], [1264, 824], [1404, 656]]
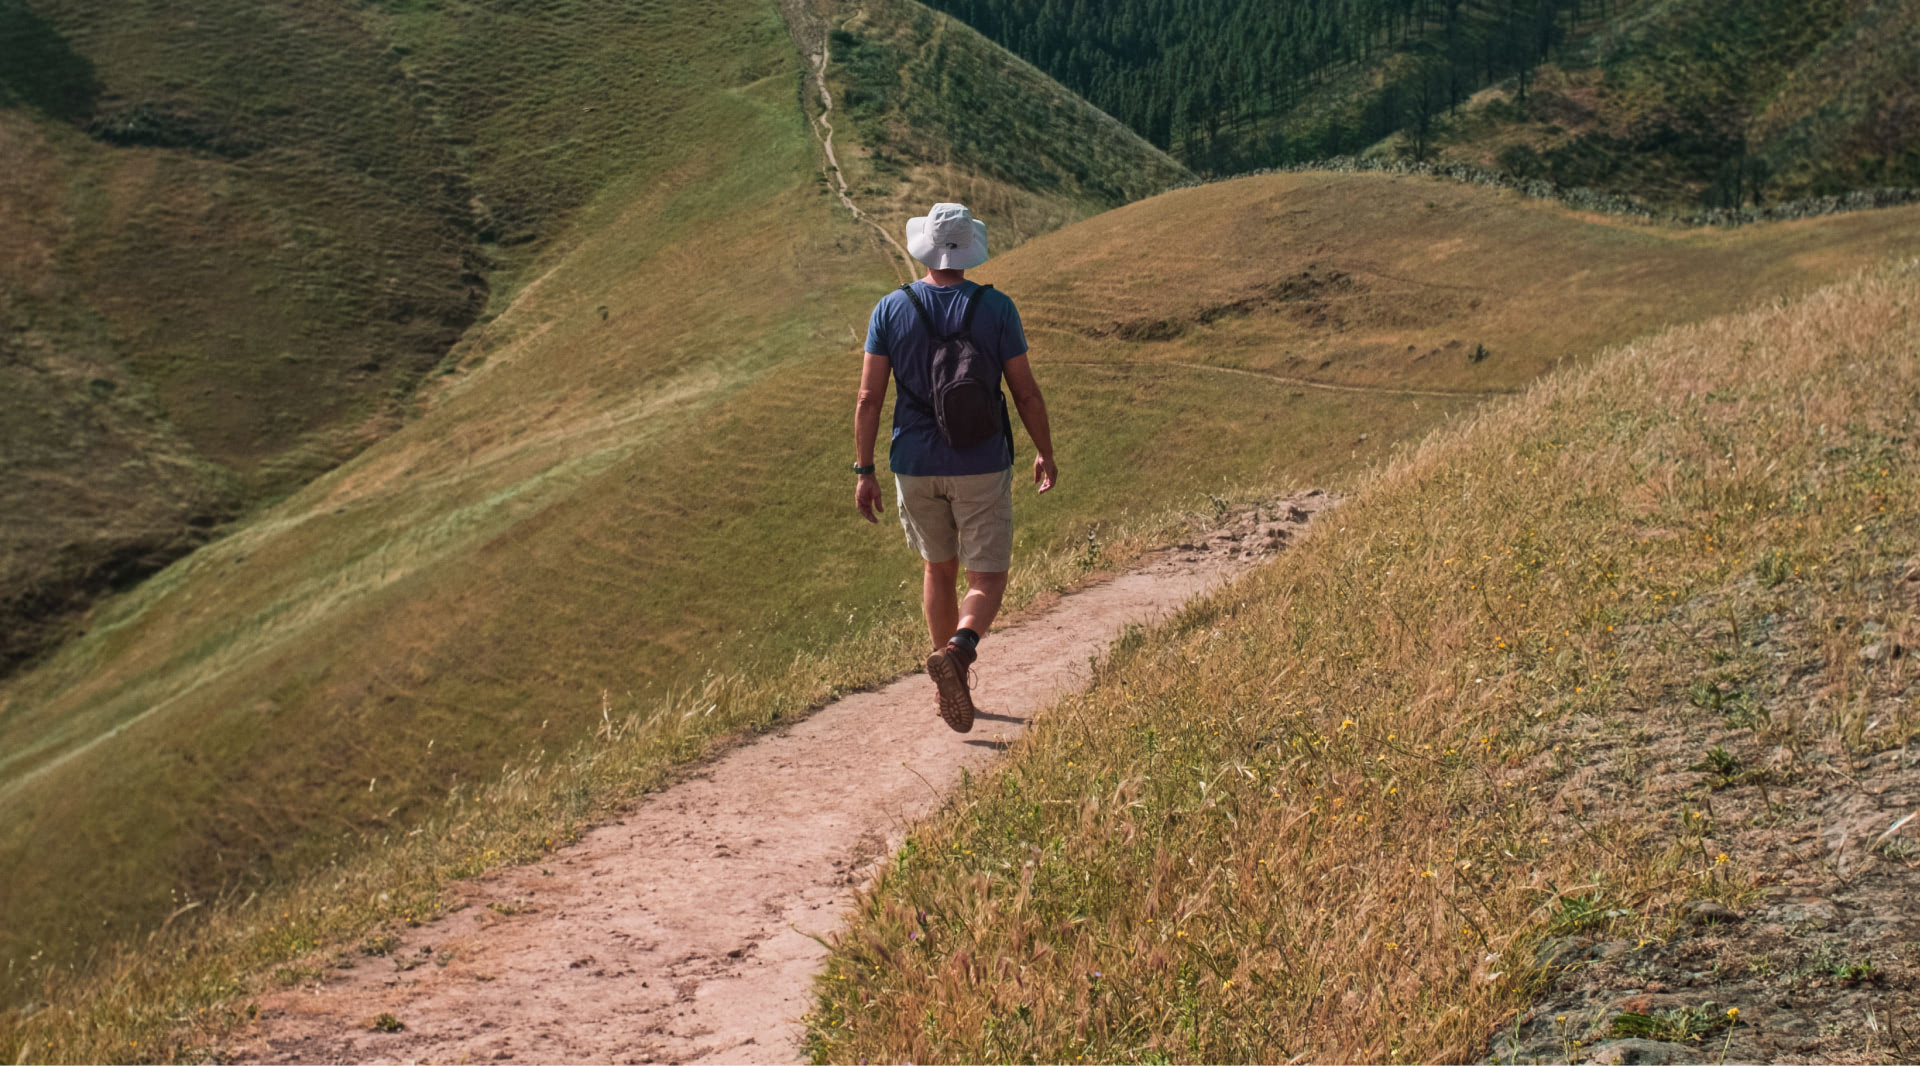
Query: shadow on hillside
[[41, 70]]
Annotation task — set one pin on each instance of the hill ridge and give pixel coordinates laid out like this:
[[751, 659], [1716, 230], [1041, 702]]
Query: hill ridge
[[815, 44]]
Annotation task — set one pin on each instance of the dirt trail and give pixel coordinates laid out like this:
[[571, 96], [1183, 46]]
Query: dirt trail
[[1283, 379], [810, 34], [685, 931]]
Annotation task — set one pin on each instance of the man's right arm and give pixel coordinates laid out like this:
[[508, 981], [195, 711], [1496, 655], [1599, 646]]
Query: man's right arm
[[1033, 415], [874, 374]]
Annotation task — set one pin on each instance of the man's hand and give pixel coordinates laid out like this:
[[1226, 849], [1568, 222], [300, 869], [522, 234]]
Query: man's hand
[[1044, 472], [866, 496]]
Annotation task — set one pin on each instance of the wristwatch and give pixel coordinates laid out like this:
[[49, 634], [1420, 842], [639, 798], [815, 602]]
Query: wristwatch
[[867, 469]]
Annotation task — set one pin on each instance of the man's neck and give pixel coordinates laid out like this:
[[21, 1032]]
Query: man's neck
[[944, 278]]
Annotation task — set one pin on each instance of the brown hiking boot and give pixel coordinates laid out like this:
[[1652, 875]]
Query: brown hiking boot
[[948, 668]]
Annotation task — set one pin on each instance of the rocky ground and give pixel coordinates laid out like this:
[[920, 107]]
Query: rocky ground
[[1792, 761]]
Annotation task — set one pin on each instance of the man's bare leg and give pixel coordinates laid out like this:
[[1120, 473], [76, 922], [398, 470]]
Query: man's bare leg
[[984, 592], [956, 629], [939, 602]]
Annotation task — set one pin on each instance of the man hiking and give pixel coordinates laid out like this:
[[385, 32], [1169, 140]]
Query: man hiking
[[949, 342]]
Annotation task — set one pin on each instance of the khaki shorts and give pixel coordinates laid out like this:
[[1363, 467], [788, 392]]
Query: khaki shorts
[[970, 516]]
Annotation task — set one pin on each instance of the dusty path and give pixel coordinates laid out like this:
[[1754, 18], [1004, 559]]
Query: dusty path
[[1283, 379], [684, 932]]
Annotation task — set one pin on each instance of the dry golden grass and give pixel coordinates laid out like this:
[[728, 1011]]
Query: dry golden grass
[[1312, 818], [1365, 279]]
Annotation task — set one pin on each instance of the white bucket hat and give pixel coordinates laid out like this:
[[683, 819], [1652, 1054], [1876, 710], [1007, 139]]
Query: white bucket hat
[[948, 237]]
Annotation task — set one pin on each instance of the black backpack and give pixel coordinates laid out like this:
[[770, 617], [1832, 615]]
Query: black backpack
[[966, 401]]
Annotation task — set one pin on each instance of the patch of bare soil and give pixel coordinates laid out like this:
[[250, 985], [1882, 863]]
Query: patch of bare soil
[[690, 929], [1313, 298], [1784, 759]]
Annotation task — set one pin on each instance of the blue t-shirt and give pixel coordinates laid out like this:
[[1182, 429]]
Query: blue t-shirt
[[895, 331]]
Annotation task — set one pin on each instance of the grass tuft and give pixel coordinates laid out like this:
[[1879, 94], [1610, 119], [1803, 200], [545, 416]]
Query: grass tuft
[[1676, 1025]]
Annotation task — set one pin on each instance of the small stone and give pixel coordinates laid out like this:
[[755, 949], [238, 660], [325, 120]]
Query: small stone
[[1710, 912], [1548, 1050], [1638, 1050], [1811, 910], [1873, 653]]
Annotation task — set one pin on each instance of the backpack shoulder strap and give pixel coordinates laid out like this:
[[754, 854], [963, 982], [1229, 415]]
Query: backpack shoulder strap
[[914, 399], [973, 305], [925, 319]]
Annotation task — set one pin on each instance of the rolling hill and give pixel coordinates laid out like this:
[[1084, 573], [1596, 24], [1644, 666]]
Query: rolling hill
[[594, 507], [940, 111], [640, 185], [217, 280], [1691, 103], [1588, 691], [240, 235], [1679, 103], [625, 493]]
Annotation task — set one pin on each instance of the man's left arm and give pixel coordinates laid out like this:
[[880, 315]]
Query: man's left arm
[[875, 371], [1033, 414], [1026, 395]]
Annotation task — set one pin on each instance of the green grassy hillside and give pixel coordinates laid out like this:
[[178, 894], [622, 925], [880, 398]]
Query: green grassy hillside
[[220, 272], [1845, 116], [239, 234], [940, 111], [1694, 103], [1682, 103], [1336, 811], [671, 284]]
